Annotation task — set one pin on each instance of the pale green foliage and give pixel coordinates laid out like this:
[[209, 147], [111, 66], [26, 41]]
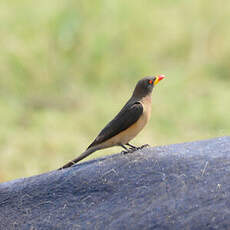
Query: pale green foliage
[[67, 67]]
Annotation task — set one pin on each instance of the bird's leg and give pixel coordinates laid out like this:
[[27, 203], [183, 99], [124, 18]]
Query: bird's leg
[[123, 147], [126, 150], [132, 146], [136, 148]]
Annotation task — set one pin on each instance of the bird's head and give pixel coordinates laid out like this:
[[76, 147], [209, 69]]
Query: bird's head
[[145, 85]]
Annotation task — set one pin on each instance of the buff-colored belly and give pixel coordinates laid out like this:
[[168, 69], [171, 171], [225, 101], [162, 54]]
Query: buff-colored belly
[[127, 135]]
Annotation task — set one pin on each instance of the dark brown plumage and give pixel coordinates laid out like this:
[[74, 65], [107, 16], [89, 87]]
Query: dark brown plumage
[[127, 123]]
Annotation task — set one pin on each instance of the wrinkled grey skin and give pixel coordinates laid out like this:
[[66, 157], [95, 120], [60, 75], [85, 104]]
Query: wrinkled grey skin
[[181, 186]]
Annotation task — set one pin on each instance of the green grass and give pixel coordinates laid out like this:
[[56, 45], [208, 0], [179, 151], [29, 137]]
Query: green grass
[[67, 67]]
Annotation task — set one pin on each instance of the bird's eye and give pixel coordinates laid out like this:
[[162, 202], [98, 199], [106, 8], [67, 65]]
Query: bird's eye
[[150, 82]]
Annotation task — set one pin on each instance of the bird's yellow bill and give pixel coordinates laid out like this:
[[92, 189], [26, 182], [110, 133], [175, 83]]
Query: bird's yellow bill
[[158, 79]]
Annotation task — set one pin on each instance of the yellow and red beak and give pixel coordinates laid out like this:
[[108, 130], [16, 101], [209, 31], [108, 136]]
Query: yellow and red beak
[[158, 79]]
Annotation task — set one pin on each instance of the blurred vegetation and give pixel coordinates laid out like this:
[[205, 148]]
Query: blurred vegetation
[[67, 67]]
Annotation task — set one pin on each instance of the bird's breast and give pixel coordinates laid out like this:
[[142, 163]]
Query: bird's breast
[[127, 135], [147, 105]]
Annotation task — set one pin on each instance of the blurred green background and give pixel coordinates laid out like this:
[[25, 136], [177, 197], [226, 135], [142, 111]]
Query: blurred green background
[[67, 67]]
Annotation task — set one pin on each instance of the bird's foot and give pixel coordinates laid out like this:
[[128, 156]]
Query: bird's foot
[[134, 148], [144, 146], [140, 147], [130, 150]]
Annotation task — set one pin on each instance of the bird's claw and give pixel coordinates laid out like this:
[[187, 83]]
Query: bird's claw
[[133, 149], [144, 146], [130, 150], [124, 152], [141, 147]]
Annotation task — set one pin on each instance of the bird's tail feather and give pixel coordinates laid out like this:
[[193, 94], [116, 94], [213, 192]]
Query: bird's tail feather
[[79, 158]]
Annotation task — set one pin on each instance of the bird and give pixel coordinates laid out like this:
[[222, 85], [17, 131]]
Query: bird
[[127, 123]]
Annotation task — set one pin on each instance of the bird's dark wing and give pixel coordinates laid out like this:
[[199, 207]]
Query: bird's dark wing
[[123, 120]]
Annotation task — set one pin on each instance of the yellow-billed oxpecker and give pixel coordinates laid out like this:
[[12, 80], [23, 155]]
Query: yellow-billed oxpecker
[[127, 123]]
